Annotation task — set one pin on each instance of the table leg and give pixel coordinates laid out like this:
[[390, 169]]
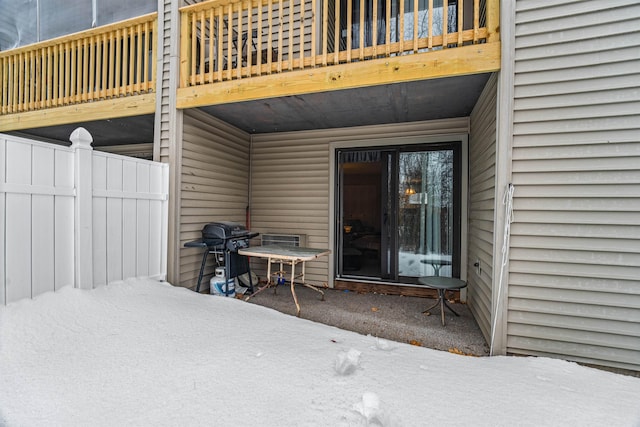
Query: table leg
[[265, 286], [204, 261], [280, 274], [268, 271], [293, 289], [315, 289], [437, 303], [441, 296], [441, 301], [436, 269]]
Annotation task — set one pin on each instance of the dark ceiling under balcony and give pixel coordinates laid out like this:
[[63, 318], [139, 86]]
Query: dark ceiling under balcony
[[395, 103]]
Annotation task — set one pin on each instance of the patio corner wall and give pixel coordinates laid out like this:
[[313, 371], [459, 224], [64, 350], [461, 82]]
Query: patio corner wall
[[482, 205], [70, 216]]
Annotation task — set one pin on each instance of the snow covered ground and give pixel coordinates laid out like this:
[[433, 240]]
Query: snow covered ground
[[148, 354]]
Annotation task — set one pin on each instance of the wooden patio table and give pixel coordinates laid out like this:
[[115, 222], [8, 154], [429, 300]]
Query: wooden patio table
[[285, 255], [442, 284]]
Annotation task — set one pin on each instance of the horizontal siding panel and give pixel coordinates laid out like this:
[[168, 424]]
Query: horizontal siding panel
[[484, 173], [564, 152], [579, 283], [217, 173], [576, 39], [271, 151], [621, 342], [570, 269], [593, 311], [611, 124], [582, 112], [575, 323], [480, 205], [290, 227], [537, 103], [598, 355], [286, 174], [483, 215], [216, 148], [218, 152], [576, 190], [233, 187], [616, 34], [601, 178], [276, 162], [536, 31], [482, 188], [584, 256], [258, 197], [483, 239], [578, 80], [609, 163], [213, 205], [585, 137], [579, 205], [309, 212], [205, 185], [483, 225], [599, 231], [307, 186], [531, 11], [586, 297], [227, 206]]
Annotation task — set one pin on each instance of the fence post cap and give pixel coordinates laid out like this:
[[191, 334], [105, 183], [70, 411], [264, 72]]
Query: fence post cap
[[81, 137]]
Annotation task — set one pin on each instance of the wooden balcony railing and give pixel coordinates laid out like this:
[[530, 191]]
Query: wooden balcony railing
[[102, 63], [223, 40]]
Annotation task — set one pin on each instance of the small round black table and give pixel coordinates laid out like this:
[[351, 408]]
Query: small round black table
[[442, 284]]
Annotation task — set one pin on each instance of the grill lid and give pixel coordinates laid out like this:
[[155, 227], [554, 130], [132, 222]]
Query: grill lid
[[224, 230]]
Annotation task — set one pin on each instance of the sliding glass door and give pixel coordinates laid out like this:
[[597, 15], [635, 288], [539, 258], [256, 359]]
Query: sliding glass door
[[426, 213], [399, 212]]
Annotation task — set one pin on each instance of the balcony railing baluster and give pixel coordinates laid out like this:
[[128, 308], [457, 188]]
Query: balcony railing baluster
[[245, 42], [101, 63]]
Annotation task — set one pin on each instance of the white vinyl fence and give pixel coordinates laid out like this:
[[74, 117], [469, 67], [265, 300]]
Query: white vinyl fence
[[74, 216]]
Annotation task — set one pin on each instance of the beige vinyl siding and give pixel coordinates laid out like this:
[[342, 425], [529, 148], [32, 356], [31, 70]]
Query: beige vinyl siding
[[482, 179], [214, 185], [290, 180], [574, 282]]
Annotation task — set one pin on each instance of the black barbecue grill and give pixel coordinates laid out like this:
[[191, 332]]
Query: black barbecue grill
[[224, 239]]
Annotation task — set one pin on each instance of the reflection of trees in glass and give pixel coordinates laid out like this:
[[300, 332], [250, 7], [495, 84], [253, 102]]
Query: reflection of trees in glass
[[394, 25], [423, 19], [426, 201]]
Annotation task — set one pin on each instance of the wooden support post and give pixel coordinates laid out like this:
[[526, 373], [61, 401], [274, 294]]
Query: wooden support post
[[185, 49], [493, 20]]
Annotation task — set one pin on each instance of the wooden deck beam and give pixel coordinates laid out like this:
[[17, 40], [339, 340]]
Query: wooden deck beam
[[472, 59], [98, 110]]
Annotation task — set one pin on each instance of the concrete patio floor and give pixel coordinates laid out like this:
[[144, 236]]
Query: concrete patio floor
[[392, 317]]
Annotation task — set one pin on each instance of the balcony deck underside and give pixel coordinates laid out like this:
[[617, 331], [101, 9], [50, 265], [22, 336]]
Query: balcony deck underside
[[134, 105], [472, 59]]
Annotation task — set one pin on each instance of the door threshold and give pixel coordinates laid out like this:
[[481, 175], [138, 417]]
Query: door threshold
[[386, 288]]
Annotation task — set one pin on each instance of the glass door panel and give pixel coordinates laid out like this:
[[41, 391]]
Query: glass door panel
[[359, 232], [426, 213], [398, 211]]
